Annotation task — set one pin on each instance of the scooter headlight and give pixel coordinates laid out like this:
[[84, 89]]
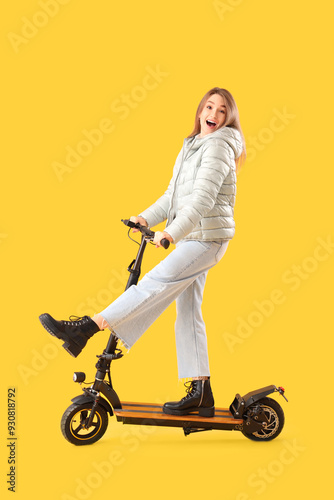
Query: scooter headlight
[[79, 376]]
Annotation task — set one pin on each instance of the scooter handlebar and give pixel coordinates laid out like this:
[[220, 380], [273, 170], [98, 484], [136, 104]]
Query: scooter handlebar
[[145, 231]]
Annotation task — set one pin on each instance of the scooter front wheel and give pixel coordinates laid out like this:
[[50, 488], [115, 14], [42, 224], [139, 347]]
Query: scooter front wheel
[[74, 420]]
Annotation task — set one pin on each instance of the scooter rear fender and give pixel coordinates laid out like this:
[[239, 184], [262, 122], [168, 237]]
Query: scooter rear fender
[[84, 398], [241, 403]]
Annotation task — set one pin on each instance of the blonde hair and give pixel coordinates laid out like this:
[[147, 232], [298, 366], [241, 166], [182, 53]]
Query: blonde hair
[[232, 118]]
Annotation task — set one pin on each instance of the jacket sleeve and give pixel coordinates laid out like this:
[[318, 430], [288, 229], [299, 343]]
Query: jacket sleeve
[[158, 212], [213, 169]]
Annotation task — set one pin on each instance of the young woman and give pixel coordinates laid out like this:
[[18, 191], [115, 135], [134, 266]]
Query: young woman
[[198, 206]]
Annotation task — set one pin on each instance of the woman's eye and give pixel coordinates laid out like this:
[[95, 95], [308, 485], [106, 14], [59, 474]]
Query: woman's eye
[[208, 106]]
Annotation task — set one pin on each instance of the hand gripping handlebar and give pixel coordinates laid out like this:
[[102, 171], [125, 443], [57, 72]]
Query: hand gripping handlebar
[[145, 231]]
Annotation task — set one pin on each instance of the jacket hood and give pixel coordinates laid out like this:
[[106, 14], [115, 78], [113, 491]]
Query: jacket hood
[[228, 134]]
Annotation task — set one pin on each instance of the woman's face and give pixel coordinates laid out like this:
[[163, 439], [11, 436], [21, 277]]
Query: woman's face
[[213, 114]]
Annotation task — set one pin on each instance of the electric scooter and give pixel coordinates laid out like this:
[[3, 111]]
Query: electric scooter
[[257, 416]]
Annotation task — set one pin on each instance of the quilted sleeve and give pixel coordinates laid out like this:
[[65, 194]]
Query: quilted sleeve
[[158, 212]]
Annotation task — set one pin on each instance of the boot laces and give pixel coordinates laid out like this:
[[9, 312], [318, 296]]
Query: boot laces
[[190, 387], [75, 319]]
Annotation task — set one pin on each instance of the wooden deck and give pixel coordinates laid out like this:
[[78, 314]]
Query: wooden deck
[[152, 414]]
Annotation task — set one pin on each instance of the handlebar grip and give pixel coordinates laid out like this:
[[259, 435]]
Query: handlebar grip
[[165, 243], [128, 222], [145, 231]]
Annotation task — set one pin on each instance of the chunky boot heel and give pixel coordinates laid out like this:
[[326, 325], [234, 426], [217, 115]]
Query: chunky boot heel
[[207, 412], [73, 349]]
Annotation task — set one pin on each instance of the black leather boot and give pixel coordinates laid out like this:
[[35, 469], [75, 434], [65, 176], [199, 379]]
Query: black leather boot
[[199, 400], [75, 333]]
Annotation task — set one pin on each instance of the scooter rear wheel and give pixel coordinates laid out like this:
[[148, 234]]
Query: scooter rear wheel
[[73, 424], [275, 415]]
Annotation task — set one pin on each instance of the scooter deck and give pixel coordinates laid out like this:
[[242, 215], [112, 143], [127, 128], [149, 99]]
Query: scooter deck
[[152, 414]]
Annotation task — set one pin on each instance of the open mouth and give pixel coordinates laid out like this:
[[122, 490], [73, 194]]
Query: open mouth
[[210, 123]]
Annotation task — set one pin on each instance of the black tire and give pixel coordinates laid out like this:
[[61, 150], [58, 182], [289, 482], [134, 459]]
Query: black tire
[[276, 420], [72, 424]]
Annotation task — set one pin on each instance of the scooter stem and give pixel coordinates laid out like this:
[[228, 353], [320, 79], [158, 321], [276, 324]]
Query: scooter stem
[[135, 266]]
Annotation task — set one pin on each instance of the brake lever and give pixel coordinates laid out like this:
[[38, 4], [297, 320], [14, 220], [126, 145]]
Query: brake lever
[[145, 231]]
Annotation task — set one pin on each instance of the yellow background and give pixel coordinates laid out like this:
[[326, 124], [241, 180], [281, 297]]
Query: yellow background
[[66, 67]]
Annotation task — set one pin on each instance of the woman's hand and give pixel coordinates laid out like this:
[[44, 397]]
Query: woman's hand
[[138, 220], [160, 235]]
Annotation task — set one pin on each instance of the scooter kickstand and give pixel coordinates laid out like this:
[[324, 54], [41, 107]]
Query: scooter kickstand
[[189, 430]]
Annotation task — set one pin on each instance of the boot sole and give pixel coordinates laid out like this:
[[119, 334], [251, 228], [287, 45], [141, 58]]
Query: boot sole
[[71, 347], [202, 412]]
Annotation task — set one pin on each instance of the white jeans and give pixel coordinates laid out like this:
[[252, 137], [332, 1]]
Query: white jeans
[[180, 276]]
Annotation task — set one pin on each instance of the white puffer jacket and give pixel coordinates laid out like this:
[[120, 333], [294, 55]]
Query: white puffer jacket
[[200, 197]]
